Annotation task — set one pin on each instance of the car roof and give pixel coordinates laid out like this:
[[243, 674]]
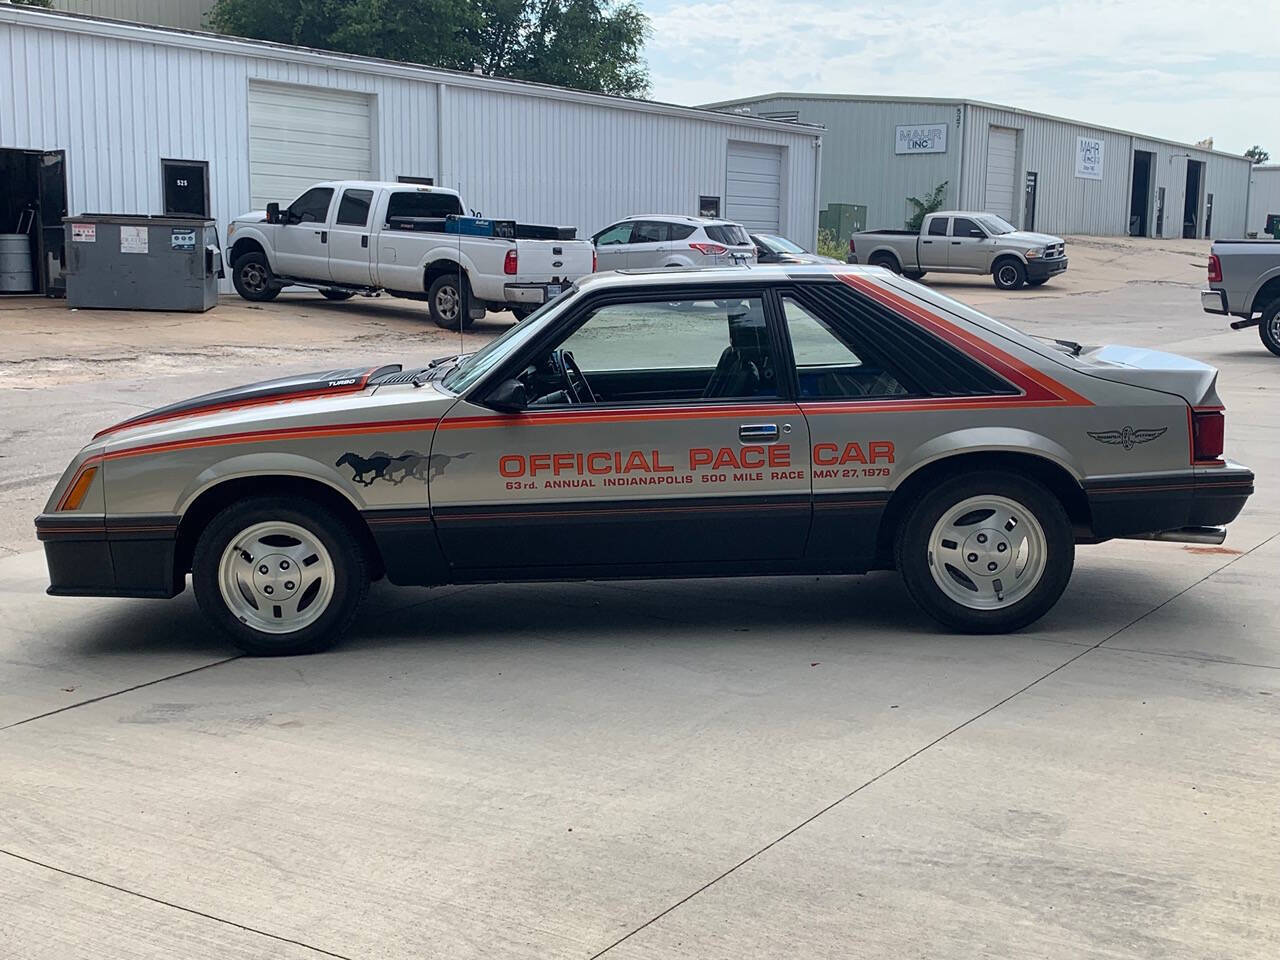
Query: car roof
[[383, 185], [679, 218]]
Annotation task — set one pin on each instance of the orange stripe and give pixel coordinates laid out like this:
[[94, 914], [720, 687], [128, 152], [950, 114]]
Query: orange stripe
[[618, 416]]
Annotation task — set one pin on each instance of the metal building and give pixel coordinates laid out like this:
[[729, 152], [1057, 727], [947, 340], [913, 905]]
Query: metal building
[[108, 116], [184, 14], [1037, 171], [1264, 198]]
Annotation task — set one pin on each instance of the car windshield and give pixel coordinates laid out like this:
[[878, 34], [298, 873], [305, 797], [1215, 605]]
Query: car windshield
[[779, 244], [995, 225], [466, 373]]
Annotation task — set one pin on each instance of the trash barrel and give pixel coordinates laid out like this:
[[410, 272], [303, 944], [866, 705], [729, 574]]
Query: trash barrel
[[16, 275], [125, 262]]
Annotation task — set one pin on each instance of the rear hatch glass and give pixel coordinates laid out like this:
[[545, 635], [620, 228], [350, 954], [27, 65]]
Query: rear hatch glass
[[730, 234]]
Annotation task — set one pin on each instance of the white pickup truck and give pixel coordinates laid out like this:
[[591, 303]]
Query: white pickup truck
[[353, 237]]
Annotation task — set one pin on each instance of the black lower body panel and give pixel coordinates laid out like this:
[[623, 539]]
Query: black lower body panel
[[112, 557], [1137, 505]]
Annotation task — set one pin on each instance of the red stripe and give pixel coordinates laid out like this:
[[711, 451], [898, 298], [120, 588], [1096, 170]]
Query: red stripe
[[618, 416], [1037, 387], [147, 419]]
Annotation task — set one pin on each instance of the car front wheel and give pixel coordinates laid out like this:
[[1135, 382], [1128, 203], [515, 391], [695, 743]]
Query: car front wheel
[[1269, 327], [253, 279], [986, 552], [1009, 274], [279, 576]]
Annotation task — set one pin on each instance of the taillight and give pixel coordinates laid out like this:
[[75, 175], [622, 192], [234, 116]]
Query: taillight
[[709, 249], [1207, 433], [511, 265], [1215, 269], [851, 247], [595, 261]]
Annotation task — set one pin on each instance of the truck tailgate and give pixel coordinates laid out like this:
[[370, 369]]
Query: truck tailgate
[[547, 261]]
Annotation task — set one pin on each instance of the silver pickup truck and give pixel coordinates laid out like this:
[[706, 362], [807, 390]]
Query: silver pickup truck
[[957, 241], [1244, 282]]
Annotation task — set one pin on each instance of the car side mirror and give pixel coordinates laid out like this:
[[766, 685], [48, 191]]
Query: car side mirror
[[977, 234], [510, 396], [273, 213]]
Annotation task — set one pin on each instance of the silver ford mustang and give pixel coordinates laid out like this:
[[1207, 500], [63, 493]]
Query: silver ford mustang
[[777, 420]]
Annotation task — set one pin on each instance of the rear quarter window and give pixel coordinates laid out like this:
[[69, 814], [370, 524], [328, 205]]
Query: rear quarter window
[[730, 234]]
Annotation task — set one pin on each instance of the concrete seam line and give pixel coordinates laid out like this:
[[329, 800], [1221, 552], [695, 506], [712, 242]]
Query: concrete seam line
[[175, 906], [911, 756], [116, 693], [1187, 656]]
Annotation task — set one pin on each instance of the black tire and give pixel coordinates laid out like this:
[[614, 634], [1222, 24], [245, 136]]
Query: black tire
[[1269, 327], [349, 575], [252, 277], [1038, 282], [886, 260], [914, 274], [1009, 273], [521, 311], [915, 558], [330, 294], [449, 289]]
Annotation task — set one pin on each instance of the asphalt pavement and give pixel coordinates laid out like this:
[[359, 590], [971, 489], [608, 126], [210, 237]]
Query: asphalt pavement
[[772, 767]]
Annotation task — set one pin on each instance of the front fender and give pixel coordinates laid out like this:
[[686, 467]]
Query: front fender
[[255, 234], [1018, 255], [987, 440], [265, 464]]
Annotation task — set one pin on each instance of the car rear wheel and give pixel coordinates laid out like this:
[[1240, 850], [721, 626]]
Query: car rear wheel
[[1269, 327], [986, 552], [253, 279], [886, 260], [1009, 273], [331, 294], [279, 577], [447, 300], [520, 311]]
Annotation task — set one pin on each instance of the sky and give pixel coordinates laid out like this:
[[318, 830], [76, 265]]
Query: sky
[[1178, 70]]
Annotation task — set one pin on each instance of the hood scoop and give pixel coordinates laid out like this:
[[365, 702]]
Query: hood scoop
[[282, 390]]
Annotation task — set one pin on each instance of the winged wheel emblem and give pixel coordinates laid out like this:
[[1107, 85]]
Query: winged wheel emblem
[[1128, 437]]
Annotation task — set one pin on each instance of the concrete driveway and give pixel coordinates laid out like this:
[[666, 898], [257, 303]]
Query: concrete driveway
[[800, 767]]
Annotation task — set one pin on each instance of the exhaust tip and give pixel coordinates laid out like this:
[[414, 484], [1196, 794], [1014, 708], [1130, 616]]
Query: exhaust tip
[[1210, 535]]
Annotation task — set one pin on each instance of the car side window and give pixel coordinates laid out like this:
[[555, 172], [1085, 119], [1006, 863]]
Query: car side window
[[938, 226], [964, 227], [681, 231], [650, 231], [618, 233], [353, 211], [827, 364], [423, 204], [667, 351], [312, 206]]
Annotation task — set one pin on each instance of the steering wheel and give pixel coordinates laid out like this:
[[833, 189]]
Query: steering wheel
[[568, 368]]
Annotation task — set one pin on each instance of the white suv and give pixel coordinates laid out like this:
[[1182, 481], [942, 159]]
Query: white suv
[[672, 241]]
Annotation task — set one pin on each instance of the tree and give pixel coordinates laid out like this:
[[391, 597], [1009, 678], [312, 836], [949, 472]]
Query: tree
[[588, 44], [928, 205], [1257, 154]]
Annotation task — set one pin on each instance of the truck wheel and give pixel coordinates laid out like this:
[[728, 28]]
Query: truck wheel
[[447, 300], [986, 552], [279, 576], [331, 294], [1269, 327], [253, 279], [1009, 273], [914, 274], [886, 260], [520, 311]]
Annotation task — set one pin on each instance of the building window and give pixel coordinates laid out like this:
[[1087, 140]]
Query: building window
[[186, 188], [708, 206]]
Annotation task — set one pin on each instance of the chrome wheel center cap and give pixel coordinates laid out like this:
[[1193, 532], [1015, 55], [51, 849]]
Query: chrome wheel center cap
[[987, 552], [275, 577]]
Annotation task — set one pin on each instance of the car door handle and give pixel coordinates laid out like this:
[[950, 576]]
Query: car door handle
[[926, 241], [758, 432], [364, 242], [955, 243], [323, 235]]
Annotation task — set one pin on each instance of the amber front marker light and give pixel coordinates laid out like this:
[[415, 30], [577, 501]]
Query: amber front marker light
[[75, 496]]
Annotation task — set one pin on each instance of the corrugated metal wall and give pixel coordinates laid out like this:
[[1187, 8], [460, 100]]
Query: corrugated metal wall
[[858, 162], [184, 14], [118, 99], [1264, 197], [1227, 178]]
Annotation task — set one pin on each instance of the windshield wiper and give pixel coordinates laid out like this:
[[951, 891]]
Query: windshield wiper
[[1071, 345], [429, 371]]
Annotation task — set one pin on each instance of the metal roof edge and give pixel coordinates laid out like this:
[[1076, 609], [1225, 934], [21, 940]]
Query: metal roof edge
[[242, 46], [955, 101]]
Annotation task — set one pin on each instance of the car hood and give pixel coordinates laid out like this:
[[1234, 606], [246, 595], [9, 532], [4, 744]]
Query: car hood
[[253, 216], [1028, 239], [306, 386]]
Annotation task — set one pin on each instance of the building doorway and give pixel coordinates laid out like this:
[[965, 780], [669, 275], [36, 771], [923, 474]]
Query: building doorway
[[1029, 201], [1191, 201], [32, 207], [186, 188], [1140, 197]]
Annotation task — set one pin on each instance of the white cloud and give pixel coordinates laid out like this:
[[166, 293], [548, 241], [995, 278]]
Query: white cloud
[[1169, 68]]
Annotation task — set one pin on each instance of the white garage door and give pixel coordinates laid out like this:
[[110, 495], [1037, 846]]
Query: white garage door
[[302, 135], [753, 194], [1002, 171]]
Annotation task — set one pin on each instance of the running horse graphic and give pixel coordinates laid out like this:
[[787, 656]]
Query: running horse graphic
[[411, 464]]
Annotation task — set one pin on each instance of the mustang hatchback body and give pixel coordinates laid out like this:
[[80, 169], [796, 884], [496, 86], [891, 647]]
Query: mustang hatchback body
[[789, 419]]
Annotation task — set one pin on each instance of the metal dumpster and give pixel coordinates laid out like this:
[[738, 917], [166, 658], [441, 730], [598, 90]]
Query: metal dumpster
[[121, 262]]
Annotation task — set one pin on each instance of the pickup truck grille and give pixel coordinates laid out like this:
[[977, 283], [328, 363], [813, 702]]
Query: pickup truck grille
[[1055, 250]]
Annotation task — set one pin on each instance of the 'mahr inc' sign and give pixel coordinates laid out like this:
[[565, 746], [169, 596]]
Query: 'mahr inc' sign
[[921, 138], [1088, 158]]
